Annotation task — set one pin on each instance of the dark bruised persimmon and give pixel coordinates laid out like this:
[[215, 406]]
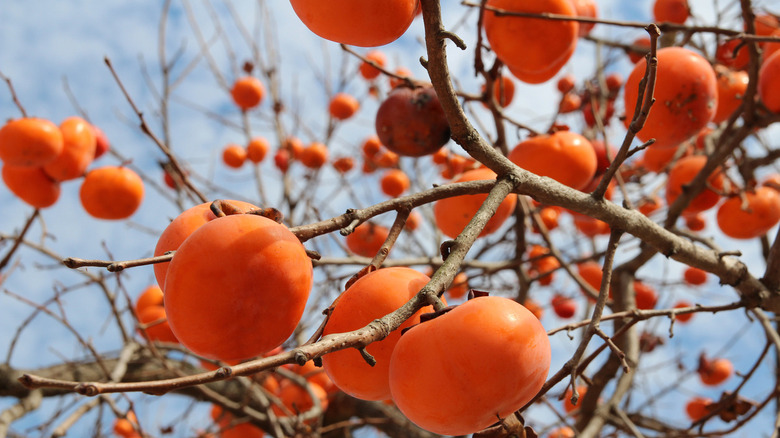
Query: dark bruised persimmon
[[237, 287], [411, 121], [478, 350], [370, 297]]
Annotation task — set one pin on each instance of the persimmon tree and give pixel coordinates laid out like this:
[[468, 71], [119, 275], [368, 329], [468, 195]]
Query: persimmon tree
[[307, 274]]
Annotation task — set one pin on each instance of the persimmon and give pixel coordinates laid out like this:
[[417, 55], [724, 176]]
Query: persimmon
[[370, 297], [639, 49], [314, 155], [459, 286], [694, 276], [151, 296], [770, 48], [534, 308], [566, 83], [564, 307], [297, 400], [411, 121], [714, 372], [564, 156], [759, 215], [30, 141], [32, 185], [111, 192], [695, 222], [568, 406], [257, 149], [453, 214], [533, 49], [503, 91], [549, 217], [732, 85], [686, 94], [158, 329], [644, 296], [657, 159], [386, 159], [591, 112], [590, 226], [614, 82], [697, 407], [671, 11], [561, 432], [371, 146], [402, 72], [603, 155], [126, 427], [683, 317], [229, 428], [294, 146], [570, 102], [247, 92], [357, 22], [585, 8], [650, 205], [216, 306], [495, 341], [102, 144], [282, 159], [413, 221], [766, 24], [234, 155], [367, 239], [343, 164], [682, 173], [367, 70], [591, 272], [315, 374], [394, 183], [343, 106], [78, 150], [181, 227], [769, 83], [733, 54]]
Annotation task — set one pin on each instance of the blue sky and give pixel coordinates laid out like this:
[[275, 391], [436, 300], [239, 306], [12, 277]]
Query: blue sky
[[46, 42]]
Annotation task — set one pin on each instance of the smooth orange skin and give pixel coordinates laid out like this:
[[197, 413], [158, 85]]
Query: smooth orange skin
[[357, 22], [686, 94], [694, 276], [343, 106], [151, 296], [240, 430], [257, 149], [585, 8], [561, 432], [102, 144], [366, 239], [111, 192], [314, 156], [30, 142], [762, 214], [159, 332], [564, 307], [124, 426], [718, 372], [695, 222], [769, 83], [732, 85], [656, 159], [247, 92], [459, 286], [564, 156], [696, 408], [641, 42], [343, 164], [644, 295], [237, 287], [590, 226], [31, 185], [534, 50], [479, 350], [453, 214], [234, 156], [370, 297], [771, 48], [297, 400], [367, 70], [683, 172], [503, 91], [315, 374], [684, 317], [568, 406], [79, 146], [181, 228], [672, 11], [725, 54], [394, 183]]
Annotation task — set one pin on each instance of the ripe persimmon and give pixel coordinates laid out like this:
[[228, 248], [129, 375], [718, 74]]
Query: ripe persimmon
[[234, 155], [257, 149], [733, 54], [769, 83], [453, 214], [561, 432], [639, 49], [151, 296], [30, 141], [158, 329], [644, 296], [732, 85], [697, 407], [564, 156], [315, 374], [370, 297], [181, 228], [102, 145], [695, 222], [367, 70], [411, 121], [585, 8], [357, 22], [78, 150], [485, 333], [714, 372], [694, 276], [656, 159], [32, 185], [564, 307], [671, 11], [683, 317], [314, 155], [686, 94], [247, 92], [534, 307], [125, 427], [533, 49], [343, 164], [566, 83], [230, 428], [761, 214], [394, 183], [568, 406], [570, 102], [297, 400], [111, 192], [682, 173], [503, 90], [590, 226], [367, 238], [402, 72], [343, 106], [217, 306]]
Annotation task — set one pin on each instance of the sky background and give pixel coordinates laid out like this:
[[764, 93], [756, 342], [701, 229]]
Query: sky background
[[47, 44]]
